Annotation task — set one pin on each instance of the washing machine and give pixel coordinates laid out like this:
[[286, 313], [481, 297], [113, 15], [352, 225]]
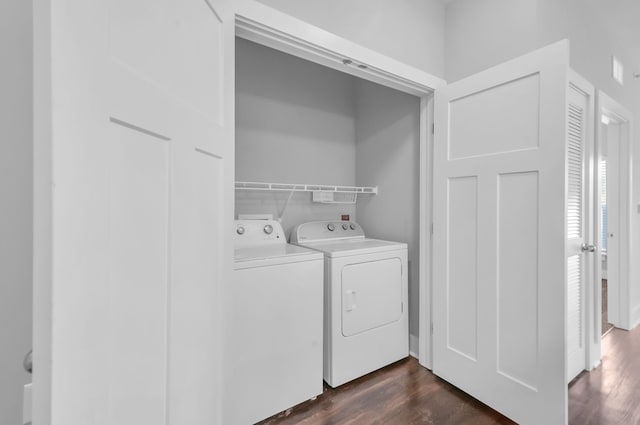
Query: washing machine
[[365, 291], [274, 329]]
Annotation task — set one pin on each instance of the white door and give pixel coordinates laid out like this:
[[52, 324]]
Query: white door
[[581, 250], [134, 171], [499, 287]]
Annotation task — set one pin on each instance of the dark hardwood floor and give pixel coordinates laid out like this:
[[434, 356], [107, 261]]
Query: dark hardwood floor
[[402, 393], [610, 394], [405, 393]]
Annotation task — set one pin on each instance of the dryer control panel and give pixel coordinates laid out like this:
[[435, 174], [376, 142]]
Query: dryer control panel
[[258, 233], [315, 231]]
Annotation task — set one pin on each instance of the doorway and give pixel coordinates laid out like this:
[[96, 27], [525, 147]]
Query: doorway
[[611, 305], [608, 195], [614, 199]]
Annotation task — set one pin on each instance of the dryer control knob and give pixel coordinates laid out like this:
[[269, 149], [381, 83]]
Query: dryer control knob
[[352, 226], [331, 227], [240, 230], [345, 227], [268, 229]]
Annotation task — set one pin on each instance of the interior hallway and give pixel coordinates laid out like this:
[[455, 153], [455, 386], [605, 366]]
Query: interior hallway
[[405, 393]]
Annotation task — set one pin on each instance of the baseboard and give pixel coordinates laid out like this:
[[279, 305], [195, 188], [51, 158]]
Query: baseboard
[[414, 346], [635, 317]]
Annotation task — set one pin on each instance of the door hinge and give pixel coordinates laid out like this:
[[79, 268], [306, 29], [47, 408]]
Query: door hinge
[[433, 129]]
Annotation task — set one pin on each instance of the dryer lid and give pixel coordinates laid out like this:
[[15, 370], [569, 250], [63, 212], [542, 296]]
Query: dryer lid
[[260, 256], [345, 247]]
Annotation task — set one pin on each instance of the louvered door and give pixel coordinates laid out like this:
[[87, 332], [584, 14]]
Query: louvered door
[[579, 230]]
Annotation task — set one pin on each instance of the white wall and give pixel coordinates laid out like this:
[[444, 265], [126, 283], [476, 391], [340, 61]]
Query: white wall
[[387, 156], [483, 33], [295, 123], [411, 31], [16, 149]]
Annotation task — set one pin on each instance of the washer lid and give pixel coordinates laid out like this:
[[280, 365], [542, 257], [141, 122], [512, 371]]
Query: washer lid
[[261, 256], [345, 247]]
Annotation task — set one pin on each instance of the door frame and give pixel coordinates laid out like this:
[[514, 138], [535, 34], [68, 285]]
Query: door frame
[[606, 106], [269, 27]]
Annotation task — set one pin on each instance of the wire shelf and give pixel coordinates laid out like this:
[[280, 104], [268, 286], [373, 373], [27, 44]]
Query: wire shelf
[[287, 187]]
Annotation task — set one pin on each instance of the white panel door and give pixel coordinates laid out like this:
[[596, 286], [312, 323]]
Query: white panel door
[[134, 179], [499, 236]]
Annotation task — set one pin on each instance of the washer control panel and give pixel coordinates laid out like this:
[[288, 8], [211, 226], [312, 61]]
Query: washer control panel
[[258, 233], [326, 230]]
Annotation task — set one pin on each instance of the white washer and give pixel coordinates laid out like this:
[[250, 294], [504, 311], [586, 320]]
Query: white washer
[[365, 318], [275, 333]]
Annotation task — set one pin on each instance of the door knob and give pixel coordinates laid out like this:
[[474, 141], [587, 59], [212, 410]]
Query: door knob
[[27, 363], [588, 248]]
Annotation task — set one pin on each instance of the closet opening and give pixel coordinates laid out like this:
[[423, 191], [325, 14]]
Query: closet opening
[[339, 156], [301, 123]]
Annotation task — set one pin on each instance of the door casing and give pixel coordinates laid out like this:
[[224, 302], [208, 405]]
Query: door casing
[[269, 27], [606, 106]]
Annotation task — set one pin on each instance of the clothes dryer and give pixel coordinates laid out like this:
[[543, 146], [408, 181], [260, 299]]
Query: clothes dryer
[[365, 292]]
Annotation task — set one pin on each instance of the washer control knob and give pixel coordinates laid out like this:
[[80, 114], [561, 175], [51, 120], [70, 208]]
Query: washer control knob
[[352, 226], [268, 229], [331, 227], [345, 227], [240, 230]]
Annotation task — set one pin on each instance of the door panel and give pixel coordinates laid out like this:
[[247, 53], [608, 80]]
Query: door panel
[[517, 283], [462, 293], [139, 149], [513, 102], [499, 229], [139, 232]]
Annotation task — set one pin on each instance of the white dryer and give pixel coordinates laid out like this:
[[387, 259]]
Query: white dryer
[[365, 291], [274, 332]]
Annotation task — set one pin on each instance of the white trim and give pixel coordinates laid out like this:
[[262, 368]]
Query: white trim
[[269, 27], [42, 212], [635, 317], [605, 105], [426, 222], [414, 346]]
